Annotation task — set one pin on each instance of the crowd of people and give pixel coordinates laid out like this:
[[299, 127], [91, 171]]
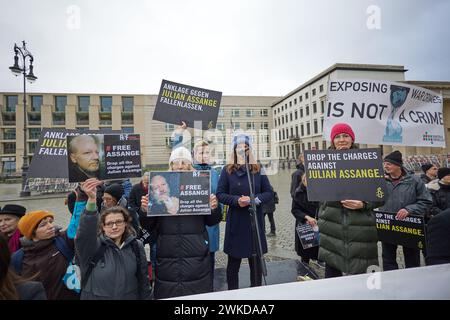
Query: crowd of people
[[101, 253]]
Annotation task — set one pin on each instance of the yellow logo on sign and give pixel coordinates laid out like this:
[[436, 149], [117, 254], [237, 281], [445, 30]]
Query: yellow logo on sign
[[379, 193]]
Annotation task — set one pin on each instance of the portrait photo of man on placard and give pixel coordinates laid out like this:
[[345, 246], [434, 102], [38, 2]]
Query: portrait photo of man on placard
[[163, 191], [85, 157]]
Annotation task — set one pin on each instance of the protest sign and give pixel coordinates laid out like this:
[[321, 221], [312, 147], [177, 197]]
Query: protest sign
[[103, 156], [179, 193], [354, 174], [309, 236], [408, 232], [178, 102], [384, 112]]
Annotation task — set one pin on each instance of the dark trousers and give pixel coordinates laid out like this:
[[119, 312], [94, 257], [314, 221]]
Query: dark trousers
[[212, 258], [233, 267], [331, 272], [272, 221], [412, 257]]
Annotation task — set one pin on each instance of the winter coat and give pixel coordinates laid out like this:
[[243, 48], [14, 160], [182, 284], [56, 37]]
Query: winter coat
[[31, 290], [213, 231], [238, 231], [44, 259], [425, 179], [438, 239], [114, 276], [14, 241], [440, 194], [409, 193], [183, 266], [348, 238], [300, 208]]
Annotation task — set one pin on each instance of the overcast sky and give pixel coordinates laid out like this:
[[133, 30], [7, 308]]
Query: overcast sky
[[238, 47]]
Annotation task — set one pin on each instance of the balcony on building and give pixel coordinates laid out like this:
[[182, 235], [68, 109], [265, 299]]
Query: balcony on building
[[294, 137]]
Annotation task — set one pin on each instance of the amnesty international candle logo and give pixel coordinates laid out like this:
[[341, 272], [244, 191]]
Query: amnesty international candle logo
[[178, 102], [334, 175]]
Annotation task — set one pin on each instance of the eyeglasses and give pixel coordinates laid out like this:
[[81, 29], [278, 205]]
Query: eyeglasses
[[118, 223]]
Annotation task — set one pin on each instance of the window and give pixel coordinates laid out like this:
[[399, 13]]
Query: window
[[11, 103], [264, 125], [34, 133], [306, 95], [279, 135], [235, 113], [307, 110], [290, 116], [265, 138], [314, 107], [282, 120], [60, 103], [167, 142], [303, 147], [250, 126], [292, 131], [249, 113], [9, 166], [302, 129], [290, 103], [324, 145], [296, 130], [300, 98], [316, 144], [295, 101], [321, 120], [32, 147], [295, 115], [278, 110], [220, 126], [221, 112], [274, 111], [264, 113], [321, 88], [127, 104], [236, 125], [36, 103], [313, 92], [105, 104], [316, 128], [83, 103], [308, 128], [127, 130], [169, 127], [9, 147], [286, 120], [322, 106], [283, 135], [9, 134], [301, 113], [309, 145], [266, 154], [282, 108]]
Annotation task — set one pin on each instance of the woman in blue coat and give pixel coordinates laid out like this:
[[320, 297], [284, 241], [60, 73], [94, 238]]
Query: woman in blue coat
[[233, 190]]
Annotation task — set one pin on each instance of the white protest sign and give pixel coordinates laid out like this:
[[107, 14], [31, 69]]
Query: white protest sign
[[385, 112]]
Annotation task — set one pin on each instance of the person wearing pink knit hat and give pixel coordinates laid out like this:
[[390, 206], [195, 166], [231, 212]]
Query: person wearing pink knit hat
[[348, 234]]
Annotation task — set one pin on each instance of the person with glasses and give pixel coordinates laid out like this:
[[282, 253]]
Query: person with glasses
[[120, 269], [41, 256]]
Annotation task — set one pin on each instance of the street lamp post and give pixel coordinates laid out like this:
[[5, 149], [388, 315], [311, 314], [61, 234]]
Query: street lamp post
[[16, 70]]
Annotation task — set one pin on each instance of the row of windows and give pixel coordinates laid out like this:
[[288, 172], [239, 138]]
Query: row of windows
[[11, 102], [291, 152], [221, 126], [287, 133], [248, 113], [294, 116], [300, 99]]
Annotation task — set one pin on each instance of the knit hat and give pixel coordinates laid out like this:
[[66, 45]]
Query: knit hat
[[339, 128], [425, 167], [442, 172], [241, 138], [395, 157], [115, 190], [29, 222], [13, 209], [180, 153]]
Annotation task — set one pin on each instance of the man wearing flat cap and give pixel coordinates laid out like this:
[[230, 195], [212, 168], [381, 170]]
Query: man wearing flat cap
[[406, 194], [9, 220]]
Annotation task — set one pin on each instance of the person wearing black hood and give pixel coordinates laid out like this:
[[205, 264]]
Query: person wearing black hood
[[406, 194], [440, 191], [296, 176], [429, 173]]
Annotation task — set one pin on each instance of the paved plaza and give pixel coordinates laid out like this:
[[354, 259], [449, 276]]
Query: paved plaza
[[280, 247]]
